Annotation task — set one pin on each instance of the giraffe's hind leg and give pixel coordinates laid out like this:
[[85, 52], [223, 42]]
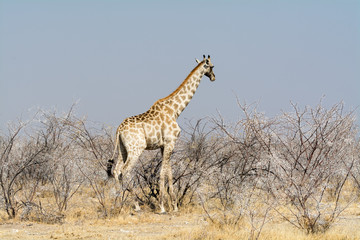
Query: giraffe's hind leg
[[133, 155], [122, 157], [125, 175]]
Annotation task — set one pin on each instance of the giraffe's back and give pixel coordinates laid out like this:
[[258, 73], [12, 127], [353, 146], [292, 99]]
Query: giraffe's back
[[145, 128]]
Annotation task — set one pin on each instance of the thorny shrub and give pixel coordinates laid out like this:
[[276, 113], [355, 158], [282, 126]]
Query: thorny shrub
[[310, 156], [295, 164]]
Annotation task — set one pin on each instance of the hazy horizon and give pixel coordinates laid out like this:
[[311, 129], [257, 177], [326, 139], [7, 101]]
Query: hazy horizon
[[117, 58]]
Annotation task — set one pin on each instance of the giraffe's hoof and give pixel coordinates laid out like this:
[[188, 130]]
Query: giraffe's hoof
[[162, 210], [136, 212], [162, 213], [137, 208]]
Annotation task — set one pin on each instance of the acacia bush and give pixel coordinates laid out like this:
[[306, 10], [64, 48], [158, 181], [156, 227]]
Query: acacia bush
[[295, 165], [235, 191], [309, 152], [355, 173], [45, 154], [21, 165]]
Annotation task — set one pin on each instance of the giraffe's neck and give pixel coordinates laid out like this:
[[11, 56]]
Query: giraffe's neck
[[180, 98]]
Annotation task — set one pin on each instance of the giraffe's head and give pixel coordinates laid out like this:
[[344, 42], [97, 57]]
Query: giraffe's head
[[208, 67]]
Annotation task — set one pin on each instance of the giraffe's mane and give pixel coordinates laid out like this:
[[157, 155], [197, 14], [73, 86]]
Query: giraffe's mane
[[181, 85]]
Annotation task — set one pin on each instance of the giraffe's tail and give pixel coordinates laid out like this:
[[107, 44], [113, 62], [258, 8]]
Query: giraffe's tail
[[111, 161], [109, 166]]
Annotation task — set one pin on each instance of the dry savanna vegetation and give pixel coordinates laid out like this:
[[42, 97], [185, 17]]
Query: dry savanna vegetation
[[293, 176]]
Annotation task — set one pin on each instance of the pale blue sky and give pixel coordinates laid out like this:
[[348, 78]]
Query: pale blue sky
[[119, 57]]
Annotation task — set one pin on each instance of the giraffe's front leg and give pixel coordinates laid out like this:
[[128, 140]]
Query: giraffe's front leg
[[171, 188], [162, 187], [166, 172]]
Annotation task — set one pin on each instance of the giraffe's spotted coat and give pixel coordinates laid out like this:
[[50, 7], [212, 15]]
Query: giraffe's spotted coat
[[157, 128]]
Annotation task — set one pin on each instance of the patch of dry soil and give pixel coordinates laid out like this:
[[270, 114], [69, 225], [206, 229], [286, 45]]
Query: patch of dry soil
[[158, 227]]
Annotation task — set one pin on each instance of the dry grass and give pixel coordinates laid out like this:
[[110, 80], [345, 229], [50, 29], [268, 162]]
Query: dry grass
[[83, 220], [188, 224]]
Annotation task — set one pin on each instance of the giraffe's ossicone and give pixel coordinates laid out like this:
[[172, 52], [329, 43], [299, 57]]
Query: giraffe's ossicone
[[157, 128]]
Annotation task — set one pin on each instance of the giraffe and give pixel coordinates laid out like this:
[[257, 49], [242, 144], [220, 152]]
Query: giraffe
[[157, 128]]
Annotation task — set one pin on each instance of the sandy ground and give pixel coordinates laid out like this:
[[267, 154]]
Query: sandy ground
[[158, 227], [154, 226]]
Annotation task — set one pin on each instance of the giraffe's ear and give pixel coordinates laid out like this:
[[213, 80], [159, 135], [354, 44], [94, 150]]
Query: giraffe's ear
[[197, 60], [208, 59]]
